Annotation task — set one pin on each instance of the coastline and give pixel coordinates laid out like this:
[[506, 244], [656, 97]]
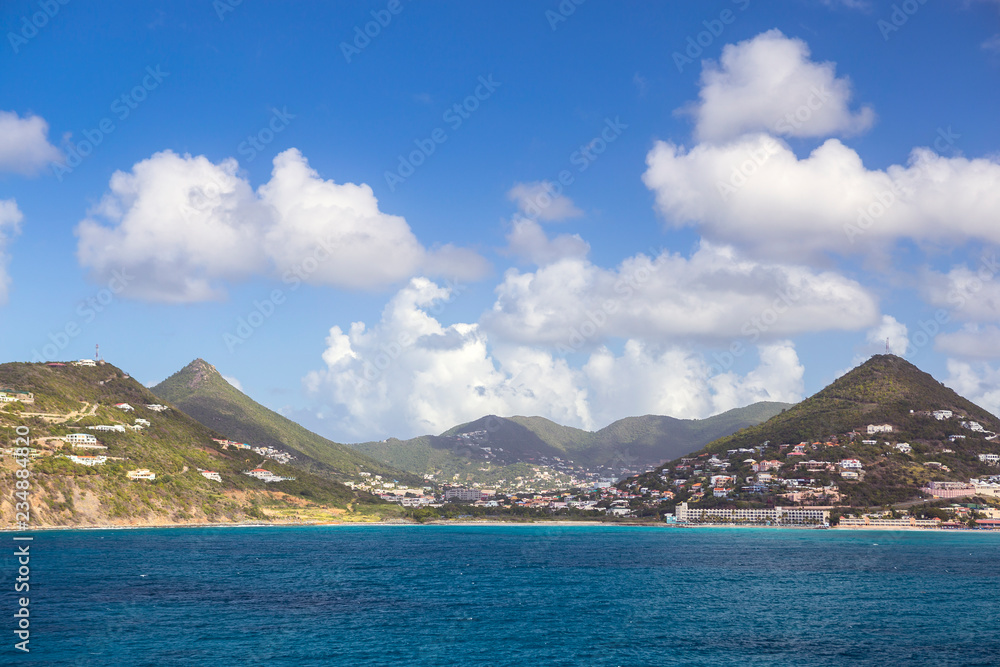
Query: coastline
[[445, 522]]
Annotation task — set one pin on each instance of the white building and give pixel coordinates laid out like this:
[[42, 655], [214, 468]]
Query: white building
[[879, 428], [88, 460], [778, 515], [211, 474], [85, 362], [992, 459], [80, 439], [125, 407], [108, 427], [903, 447], [156, 407], [142, 422], [463, 494], [267, 476], [851, 464], [141, 473], [973, 426], [941, 415]]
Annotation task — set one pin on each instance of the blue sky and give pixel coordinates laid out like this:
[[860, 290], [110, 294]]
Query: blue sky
[[703, 250]]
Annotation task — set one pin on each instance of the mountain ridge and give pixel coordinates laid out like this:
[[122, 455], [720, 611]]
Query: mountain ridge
[[201, 391]]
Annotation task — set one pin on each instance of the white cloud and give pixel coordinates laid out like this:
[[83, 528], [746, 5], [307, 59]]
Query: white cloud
[[755, 193], [10, 225], [768, 83], [992, 44], [186, 227], [891, 330], [527, 239], [715, 294], [233, 381], [970, 295], [673, 381], [24, 144], [538, 200], [409, 375], [972, 341], [980, 383]]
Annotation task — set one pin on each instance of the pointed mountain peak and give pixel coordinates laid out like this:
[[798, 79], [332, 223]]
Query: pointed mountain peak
[[199, 372]]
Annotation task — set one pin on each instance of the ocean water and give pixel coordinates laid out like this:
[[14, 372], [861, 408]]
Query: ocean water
[[508, 595]]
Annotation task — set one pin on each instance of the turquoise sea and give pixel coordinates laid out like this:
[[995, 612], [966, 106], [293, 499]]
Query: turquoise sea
[[508, 595]]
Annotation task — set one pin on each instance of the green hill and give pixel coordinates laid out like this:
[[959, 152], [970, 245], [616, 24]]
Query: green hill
[[628, 444], [882, 390], [68, 399], [200, 391], [832, 426]]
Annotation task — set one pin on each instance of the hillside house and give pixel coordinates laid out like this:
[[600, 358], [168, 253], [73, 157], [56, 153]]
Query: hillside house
[[141, 473], [14, 396], [973, 426], [88, 460], [850, 464], [156, 407], [211, 474], [941, 415], [124, 407], [85, 362], [903, 448], [108, 427], [879, 428], [80, 439]]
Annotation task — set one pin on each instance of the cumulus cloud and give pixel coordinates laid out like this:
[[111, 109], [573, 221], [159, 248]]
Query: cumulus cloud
[[186, 227], [715, 294], [971, 295], [24, 144], [769, 83], [539, 201], [978, 382], [972, 341], [891, 330], [755, 193], [10, 225], [529, 241], [409, 374]]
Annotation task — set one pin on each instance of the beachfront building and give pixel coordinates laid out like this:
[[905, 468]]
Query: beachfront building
[[883, 522], [777, 515], [949, 489], [463, 494]]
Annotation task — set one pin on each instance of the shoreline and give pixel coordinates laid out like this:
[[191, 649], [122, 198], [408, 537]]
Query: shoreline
[[558, 523]]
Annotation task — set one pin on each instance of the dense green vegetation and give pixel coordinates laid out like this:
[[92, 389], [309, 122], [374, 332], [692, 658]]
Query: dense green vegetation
[[884, 390], [174, 446], [200, 391], [634, 442]]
